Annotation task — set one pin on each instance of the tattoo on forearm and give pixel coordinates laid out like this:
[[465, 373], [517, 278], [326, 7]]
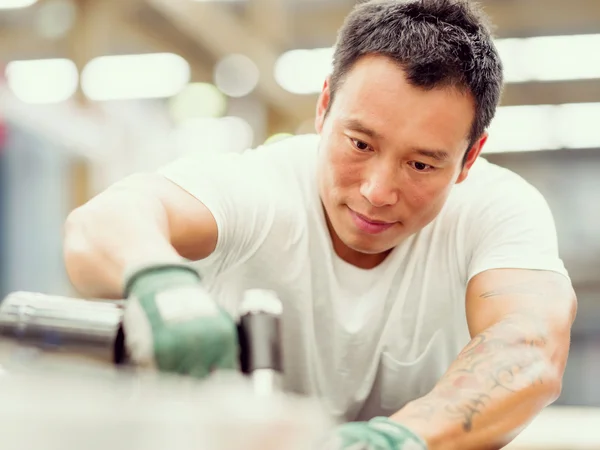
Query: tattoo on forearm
[[499, 359], [469, 409]]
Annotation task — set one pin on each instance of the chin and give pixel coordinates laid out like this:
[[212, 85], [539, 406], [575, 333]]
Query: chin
[[368, 248]]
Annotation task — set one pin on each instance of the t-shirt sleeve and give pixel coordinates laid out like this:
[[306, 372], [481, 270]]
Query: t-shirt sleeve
[[237, 190], [513, 228]]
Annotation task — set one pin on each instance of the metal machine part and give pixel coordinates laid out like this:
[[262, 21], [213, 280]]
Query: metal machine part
[[55, 326], [64, 325], [69, 404], [260, 340]]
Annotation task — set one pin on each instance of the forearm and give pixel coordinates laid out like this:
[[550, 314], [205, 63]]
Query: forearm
[[116, 230], [499, 382]]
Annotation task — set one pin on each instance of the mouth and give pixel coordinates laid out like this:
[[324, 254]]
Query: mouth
[[368, 225]]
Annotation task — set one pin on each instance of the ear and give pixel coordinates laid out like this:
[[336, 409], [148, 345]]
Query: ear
[[323, 105], [474, 153]]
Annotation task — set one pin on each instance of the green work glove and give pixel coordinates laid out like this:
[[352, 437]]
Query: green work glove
[[379, 433], [171, 323]]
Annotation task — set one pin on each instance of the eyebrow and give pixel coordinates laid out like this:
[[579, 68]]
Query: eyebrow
[[356, 125], [438, 155]]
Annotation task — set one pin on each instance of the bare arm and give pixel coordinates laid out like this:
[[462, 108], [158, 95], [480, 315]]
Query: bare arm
[[520, 322], [142, 219]]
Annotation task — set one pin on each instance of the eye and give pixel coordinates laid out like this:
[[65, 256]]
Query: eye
[[360, 145], [421, 167]]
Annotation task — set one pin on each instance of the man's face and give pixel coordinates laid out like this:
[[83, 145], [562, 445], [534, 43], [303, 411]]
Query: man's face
[[390, 154]]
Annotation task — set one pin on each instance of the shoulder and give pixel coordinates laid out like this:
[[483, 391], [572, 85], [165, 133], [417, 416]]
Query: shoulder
[[287, 161], [254, 166], [507, 224], [496, 205], [487, 175], [292, 165], [295, 152], [491, 189]]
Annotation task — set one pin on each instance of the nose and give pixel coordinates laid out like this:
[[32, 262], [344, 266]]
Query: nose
[[379, 188]]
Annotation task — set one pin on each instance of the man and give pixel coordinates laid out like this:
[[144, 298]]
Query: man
[[424, 299]]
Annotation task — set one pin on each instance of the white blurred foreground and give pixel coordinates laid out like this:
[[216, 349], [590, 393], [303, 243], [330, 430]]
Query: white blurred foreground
[[150, 413], [561, 428]]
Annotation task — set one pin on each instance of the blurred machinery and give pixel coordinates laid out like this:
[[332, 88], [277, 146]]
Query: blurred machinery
[[65, 380]]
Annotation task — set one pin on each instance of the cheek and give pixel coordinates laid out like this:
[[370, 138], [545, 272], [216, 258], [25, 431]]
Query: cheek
[[427, 196], [342, 172]]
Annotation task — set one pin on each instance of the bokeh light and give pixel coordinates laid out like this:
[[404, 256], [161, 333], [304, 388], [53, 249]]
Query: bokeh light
[[196, 101], [58, 83], [277, 137], [236, 75]]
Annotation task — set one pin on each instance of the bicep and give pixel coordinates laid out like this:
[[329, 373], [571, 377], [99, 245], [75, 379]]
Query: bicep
[[514, 265], [543, 295], [189, 225], [513, 230], [192, 227], [224, 208]]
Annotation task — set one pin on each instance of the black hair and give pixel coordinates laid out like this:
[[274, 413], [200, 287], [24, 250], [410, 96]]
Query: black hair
[[438, 43]]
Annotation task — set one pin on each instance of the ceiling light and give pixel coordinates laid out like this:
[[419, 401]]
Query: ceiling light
[[303, 71], [16, 4], [544, 127], [122, 77], [550, 58], [42, 81]]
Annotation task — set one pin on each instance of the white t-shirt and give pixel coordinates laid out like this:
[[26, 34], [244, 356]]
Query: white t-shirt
[[364, 341]]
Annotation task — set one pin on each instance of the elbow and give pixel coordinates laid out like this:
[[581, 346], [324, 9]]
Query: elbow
[[74, 238], [553, 382], [558, 343], [555, 365], [87, 227], [560, 355], [544, 381], [547, 364], [85, 259], [77, 249]]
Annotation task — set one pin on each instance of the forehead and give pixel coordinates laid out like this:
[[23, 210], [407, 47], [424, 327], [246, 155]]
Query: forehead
[[377, 93]]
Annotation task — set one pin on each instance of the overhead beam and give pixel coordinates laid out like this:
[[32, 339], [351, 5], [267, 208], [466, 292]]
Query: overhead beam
[[270, 21], [143, 37], [316, 24], [20, 43], [552, 93], [525, 18], [222, 33]]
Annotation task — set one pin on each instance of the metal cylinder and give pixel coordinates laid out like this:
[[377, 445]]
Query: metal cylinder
[[68, 325], [260, 338]]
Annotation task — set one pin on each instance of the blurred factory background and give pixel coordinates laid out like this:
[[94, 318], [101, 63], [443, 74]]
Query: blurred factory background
[[93, 90]]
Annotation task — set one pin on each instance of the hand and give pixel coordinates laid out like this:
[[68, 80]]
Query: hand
[[173, 325], [379, 433]]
